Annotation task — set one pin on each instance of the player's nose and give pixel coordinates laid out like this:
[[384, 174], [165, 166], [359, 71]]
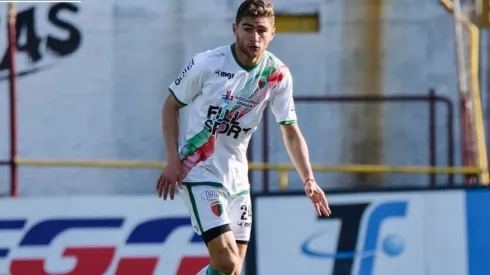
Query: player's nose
[[255, 37]]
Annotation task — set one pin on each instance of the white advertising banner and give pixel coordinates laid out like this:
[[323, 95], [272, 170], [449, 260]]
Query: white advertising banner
[[105, 235], [369, 234]]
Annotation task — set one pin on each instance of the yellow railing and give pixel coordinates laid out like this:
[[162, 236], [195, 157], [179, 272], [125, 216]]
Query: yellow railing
[[283, 169]]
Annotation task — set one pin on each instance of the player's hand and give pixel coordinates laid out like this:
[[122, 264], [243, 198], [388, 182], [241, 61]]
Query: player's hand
[[317, 197], [170, 177]]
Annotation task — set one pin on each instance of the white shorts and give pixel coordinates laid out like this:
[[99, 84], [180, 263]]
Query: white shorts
[[211, 206]]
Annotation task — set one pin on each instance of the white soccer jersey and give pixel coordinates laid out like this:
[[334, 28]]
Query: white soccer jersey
[[224, 101]]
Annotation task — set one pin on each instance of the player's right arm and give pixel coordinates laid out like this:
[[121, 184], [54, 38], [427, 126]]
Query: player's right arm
[[170, 127], [182, 91]]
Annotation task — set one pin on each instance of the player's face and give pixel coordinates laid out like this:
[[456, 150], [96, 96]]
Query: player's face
[[253, 35]]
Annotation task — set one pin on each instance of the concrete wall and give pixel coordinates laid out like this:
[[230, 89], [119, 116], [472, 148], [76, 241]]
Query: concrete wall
[[102, 99]]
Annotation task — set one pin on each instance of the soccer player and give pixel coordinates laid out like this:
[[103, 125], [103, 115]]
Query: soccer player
[[213, 108]]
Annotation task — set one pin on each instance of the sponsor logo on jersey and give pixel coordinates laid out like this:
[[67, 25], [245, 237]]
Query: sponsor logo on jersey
[[184, 72], [245, 102], [210, 195], [218, 121], [224, 74], [217, 55], [244, 224], [227, 97]]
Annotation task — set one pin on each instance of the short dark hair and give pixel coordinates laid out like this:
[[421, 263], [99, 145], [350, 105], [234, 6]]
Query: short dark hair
[[255, 8]]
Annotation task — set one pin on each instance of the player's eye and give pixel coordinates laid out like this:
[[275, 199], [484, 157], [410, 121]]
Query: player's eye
[[248, 29]]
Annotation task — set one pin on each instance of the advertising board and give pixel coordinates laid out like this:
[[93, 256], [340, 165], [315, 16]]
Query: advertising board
[[98, 235], [401, 233], [478, 228], [429, 232]]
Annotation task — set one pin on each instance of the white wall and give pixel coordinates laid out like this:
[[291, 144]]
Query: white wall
[[103, 101]]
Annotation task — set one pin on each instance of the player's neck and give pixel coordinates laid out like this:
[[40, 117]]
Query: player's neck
[[243, 60]]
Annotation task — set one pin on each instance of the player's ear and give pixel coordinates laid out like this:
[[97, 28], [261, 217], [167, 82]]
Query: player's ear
[[235, 28]]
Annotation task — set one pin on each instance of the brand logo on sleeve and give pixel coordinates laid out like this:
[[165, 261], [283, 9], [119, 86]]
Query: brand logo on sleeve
[[184, 72]]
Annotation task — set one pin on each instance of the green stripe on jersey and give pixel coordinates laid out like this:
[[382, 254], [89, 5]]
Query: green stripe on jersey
[[176, 98], [194, 208], [288, 122], [196, 142]]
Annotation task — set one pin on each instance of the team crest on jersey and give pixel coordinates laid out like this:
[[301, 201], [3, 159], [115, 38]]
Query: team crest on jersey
[[262, 82], [217, 208]]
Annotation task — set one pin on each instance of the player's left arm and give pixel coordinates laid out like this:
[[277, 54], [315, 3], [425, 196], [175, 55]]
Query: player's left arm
[[282, 105], [297, 150]]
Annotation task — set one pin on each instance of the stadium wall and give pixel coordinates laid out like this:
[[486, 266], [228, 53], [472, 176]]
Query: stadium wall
[[93, 77], [384, 233]]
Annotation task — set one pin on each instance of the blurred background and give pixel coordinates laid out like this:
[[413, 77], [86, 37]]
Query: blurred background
[[391, 95]]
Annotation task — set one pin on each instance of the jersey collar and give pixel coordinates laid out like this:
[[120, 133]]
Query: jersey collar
[[243, 66]]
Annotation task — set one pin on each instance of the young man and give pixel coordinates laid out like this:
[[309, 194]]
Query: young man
[[215, 105]]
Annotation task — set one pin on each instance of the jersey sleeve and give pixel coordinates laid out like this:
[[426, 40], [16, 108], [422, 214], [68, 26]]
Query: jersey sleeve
[[189, 82], [282, 102]]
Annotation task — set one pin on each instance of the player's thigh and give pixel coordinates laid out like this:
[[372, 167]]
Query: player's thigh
[[242, 250]]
